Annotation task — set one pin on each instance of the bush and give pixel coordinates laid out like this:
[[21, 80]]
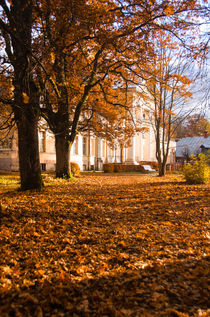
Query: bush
[[108, 168], [118, 167], [197, 171], [75, 169]]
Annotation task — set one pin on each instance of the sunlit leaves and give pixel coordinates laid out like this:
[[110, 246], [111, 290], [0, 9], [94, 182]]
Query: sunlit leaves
[[169, 10], [106, 243]]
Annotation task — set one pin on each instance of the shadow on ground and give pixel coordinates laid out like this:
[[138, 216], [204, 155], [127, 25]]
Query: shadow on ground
[[160, 290]]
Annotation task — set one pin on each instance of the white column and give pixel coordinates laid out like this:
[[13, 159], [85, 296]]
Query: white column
[[99, 153], [149, 146], [131, 152], [141, 137], [99, 144]]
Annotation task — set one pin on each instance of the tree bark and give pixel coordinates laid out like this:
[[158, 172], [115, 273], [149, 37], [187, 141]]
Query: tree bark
[[26, 94], [162, 169], [62, 146], [29, 163]]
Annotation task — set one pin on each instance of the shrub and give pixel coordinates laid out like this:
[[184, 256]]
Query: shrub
[[197, 170], [108, 168], [75, 169], [135, 168], [118, 167]]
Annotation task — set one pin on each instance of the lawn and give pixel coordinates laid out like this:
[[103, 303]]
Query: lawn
[[105, 245]]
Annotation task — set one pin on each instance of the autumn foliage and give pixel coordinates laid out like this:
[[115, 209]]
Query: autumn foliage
[[197, 170], [105, 245], [75, 169]]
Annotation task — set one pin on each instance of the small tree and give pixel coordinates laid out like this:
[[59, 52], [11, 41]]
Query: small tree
[[169, 89]]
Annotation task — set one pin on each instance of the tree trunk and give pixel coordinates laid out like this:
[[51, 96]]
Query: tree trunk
[[162, 169], [29, 163], [26, 113], [62, 146], [26, 93]]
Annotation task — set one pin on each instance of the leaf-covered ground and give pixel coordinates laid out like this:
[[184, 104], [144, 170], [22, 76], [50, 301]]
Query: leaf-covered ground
[[105, 245]]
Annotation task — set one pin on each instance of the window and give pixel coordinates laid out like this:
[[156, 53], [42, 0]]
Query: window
[[84, 146], [43, 166], [42, 141]]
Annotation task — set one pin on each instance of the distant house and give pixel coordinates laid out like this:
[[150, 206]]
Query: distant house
[[191, 146], [205, 146]]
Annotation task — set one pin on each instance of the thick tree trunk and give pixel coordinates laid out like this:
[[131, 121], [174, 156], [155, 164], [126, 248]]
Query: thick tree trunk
[[62, 146], [26, 93], [26, 111], [29, 163]]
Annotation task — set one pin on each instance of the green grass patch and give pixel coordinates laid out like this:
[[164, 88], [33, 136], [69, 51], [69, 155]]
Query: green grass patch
[[9, 182]]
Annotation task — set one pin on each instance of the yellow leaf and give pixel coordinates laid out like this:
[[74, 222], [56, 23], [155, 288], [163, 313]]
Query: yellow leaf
[[25, 98], [169, 10], [7, 269], [52, 55], [124, 255], [81, 269], [27, 282], [62, 275], [122, 243]]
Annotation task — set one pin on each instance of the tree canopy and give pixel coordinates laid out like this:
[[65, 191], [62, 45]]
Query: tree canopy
[[194, 125]]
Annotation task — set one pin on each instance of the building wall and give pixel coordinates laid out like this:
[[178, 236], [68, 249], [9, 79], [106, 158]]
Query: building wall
[[9, 160], [5, 162], [89, 151]]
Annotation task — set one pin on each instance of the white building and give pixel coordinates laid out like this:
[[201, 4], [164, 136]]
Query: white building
[[89, 151]]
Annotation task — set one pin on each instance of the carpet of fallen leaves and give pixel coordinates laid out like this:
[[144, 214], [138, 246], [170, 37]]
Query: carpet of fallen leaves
[[105, 245]]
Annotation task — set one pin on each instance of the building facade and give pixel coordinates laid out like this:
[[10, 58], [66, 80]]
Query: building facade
[[90, 151]]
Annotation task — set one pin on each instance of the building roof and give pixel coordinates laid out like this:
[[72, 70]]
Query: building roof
[[191, 145], [206, 143]]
